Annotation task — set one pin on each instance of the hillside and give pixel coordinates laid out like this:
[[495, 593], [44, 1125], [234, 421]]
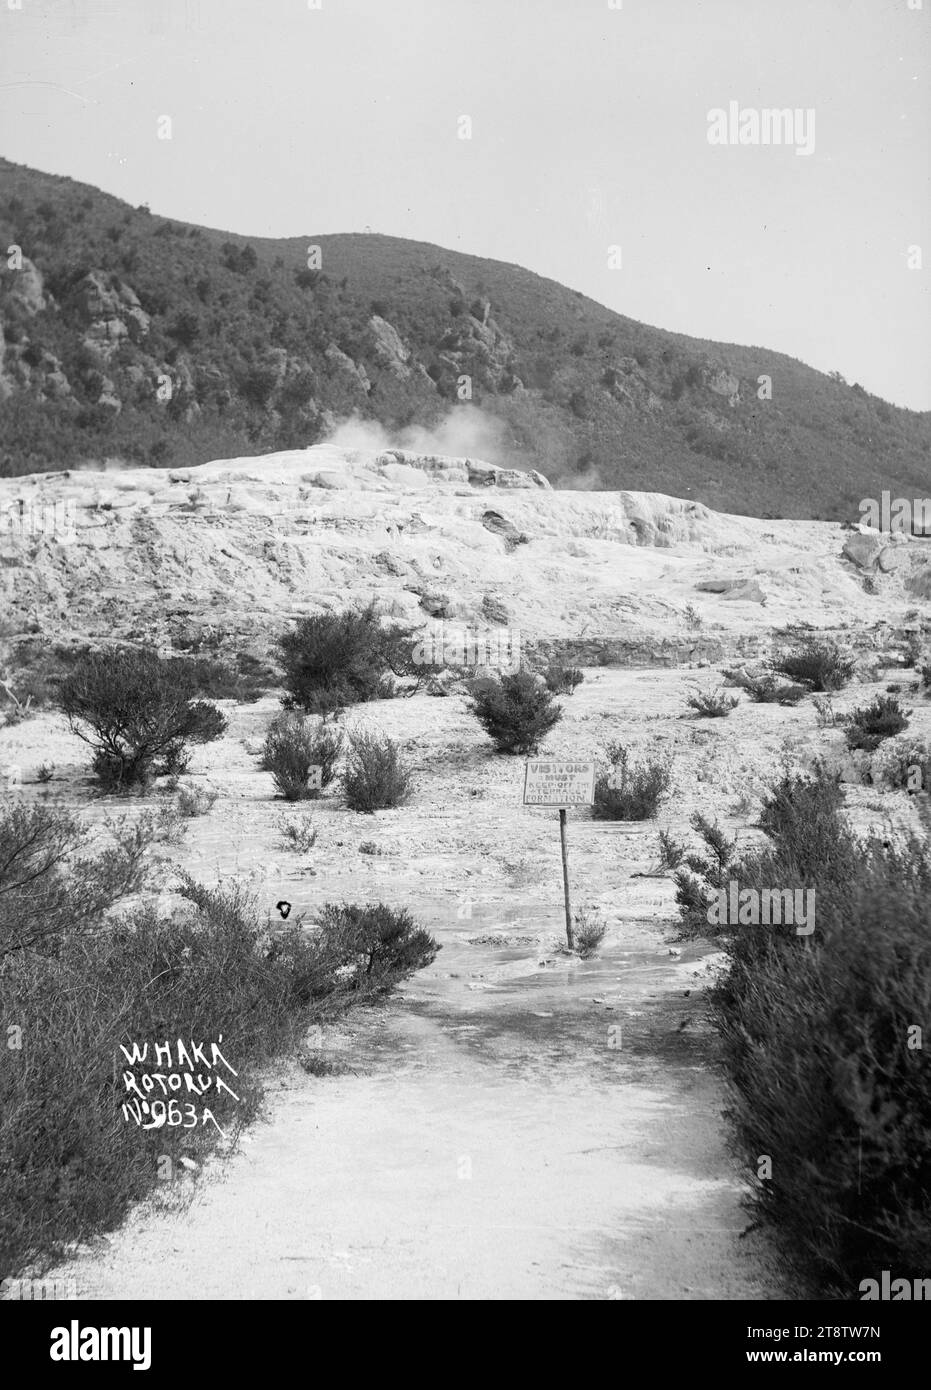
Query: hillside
[[112, 308]]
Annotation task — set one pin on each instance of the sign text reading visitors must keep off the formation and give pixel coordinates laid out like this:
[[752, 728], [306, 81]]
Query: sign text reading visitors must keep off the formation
[[549, 783]]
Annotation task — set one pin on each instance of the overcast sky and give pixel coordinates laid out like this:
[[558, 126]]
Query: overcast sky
[[589, 130]]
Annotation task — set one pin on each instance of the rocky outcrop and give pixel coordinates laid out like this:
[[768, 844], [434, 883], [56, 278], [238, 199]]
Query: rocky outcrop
[[342, 362], [499, 525], [27, 288], [722, 383], [863, 549], [476, 346], [388, 347], [872, 550], [462, 470], [746, 590], [627, 383], [113, 310]]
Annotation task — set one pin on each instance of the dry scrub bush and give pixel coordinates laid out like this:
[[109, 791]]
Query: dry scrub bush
[[135, 710], [75, 985], [376, 777], [292, 747], [517, 711], [848, 1138]]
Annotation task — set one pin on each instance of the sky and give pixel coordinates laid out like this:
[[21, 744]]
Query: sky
[[589, 131]]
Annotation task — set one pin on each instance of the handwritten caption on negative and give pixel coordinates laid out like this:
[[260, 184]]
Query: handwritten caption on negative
[[176, 1076]]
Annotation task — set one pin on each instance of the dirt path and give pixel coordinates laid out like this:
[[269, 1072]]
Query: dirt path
[[493, 1140], [491, 1137]]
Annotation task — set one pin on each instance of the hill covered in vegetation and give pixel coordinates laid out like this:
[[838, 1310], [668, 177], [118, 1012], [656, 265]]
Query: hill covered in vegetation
[[130, 338]]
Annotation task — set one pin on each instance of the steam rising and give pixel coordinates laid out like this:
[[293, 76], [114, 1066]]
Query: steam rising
[[466, 432]]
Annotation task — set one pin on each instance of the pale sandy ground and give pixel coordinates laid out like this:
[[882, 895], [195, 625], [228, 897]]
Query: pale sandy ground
[[488, 1141]]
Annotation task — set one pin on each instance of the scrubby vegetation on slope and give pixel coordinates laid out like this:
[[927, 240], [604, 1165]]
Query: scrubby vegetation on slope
[[261, 351]]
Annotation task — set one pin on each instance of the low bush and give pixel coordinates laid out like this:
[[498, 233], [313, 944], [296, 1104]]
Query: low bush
[[48, 886], [196, 801], [562, 680], [517, 711], [299, 835], [869, 725], [374, 945], [376, 777], [293, 745], [712, 704], [587, 934], [903, 764], [851, 1167], [240, 677], [698, 875], [766, 690], [76, 984], [825, 712], [671, 853], [630, 791], [332, 660], [134, 709], [820, 665]]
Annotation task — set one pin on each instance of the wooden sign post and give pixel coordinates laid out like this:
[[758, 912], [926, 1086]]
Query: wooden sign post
[[561, 784]]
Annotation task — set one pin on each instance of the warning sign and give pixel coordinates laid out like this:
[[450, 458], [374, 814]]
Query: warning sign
[[548, 783]]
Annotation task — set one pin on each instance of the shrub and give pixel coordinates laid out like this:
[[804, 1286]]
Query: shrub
[[70, 1164], [819, 665], [47, 887], [380, 944], [196, 801], [868, 725], [517, 711], [628, 792], [926, 676], [18, 709], [671, 853], [766, 690], [299, 835], [562, 680], [850, 1164], [827, 715], [135, 710], [242, 678], [712, 704], [375, 778], [336, 659], [737, 675], [292, 747], [588, 934], [693, 894], [904, 764]]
